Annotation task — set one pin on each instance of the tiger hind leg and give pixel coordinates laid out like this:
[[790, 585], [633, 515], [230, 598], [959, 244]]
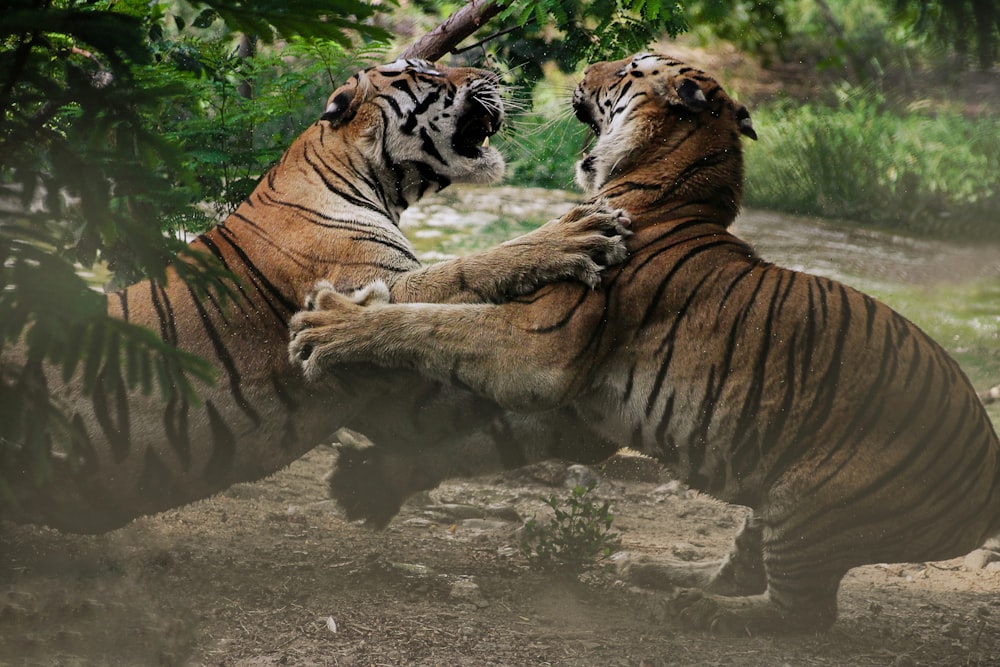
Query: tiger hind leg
[[802, 571], [739, 573], [785, 608]]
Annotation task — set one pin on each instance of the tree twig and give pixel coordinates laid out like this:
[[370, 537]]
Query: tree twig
[[465, 21]]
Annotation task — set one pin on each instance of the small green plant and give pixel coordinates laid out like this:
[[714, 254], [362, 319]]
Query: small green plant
[[578, 534]]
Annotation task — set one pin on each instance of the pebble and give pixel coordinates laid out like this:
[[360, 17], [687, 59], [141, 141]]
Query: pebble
[[465, 590], [412, 569], [685, 551]]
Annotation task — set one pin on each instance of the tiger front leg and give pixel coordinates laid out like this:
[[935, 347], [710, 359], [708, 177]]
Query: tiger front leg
[[575, 247], [590, 238], [490, 349]]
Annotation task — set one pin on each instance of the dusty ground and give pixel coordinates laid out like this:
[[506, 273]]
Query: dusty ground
[[268, 574]]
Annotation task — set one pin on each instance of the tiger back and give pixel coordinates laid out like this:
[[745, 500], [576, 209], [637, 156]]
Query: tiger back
[[851, 434]]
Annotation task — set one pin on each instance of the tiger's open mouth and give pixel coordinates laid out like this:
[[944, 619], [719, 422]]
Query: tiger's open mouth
[[479, 122]]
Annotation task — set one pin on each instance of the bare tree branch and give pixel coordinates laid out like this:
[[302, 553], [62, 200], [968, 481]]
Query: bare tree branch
[[444, 38]]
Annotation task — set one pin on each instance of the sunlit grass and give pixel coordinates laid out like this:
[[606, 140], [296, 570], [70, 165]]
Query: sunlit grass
[[913, 170]]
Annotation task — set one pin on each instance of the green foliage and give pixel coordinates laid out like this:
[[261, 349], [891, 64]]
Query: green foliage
[[757, 26], [578, 534], [542, 151], [570, 32], [965, 25], [930, 173], [102, 105], [235, 115]]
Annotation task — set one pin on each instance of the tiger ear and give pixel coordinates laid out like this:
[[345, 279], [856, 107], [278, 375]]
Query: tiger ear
[[691, 95], [345, 101], [746, 125]]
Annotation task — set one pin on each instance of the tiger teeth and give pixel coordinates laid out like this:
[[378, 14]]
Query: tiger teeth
[[486, 142]]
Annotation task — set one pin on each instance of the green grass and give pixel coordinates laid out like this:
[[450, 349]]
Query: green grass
[[919, 172], [963, 317]]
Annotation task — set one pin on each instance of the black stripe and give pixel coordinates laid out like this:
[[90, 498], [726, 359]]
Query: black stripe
[[222, 353], [261, 281], [332, 187], [123, 302], [223, 447], [653, 306], [116, 427], [583, 292], [427, 144], [289, 434]]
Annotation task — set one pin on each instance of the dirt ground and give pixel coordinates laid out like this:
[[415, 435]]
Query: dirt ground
[[269, 574]]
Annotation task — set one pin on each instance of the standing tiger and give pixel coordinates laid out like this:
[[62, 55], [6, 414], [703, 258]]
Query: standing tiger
[[328, 210], [852, 436]]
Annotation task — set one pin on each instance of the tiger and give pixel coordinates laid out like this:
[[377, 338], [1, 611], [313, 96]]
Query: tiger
[[328, 210], [851, 436]]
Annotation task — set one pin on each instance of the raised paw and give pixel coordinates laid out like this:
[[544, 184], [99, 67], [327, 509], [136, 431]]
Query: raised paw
[[603, 231], [592, 238], [326, 332]]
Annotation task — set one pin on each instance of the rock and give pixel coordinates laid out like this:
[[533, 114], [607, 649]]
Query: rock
[[550, 473], [685, 551], [457, 511], [485, 524], [632, 468], [580, 475], [980, 558], [671, 488], [465, 590], [504, 513]]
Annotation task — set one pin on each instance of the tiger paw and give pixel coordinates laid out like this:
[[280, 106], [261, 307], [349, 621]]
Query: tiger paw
[[592, 238], [699, 611], [750, 614], [331, 329]]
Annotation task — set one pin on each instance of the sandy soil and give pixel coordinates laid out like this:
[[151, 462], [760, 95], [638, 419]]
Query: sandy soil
[[269, 574]]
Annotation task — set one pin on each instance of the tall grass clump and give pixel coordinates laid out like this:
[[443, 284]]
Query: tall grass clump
[[917, 171]]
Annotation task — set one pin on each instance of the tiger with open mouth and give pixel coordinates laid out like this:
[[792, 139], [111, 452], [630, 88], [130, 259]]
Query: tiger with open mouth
[[852, 436], [328, 210]]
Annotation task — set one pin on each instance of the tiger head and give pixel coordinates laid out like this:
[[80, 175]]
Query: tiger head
[[650, 110], [424, 121]]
